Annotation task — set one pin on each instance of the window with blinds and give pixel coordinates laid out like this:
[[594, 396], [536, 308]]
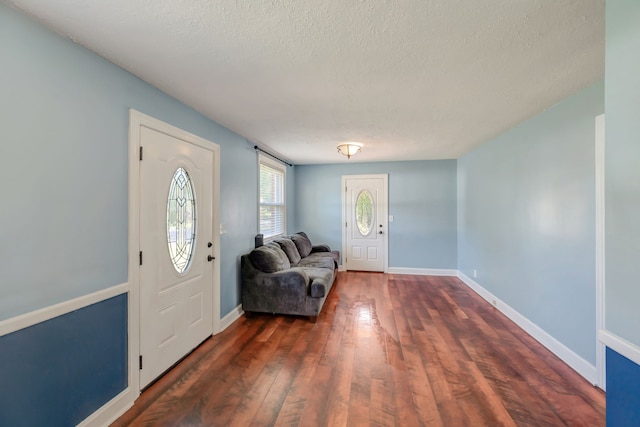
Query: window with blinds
[[272, 200]]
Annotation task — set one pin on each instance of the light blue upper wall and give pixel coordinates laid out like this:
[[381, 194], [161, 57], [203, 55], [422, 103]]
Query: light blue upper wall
[[622, 169], [526, 207], [422, 199], [64, 165], [292, 227]]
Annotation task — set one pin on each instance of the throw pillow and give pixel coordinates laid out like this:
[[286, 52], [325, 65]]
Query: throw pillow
[[269, 258], [290, 249], [303, 244]]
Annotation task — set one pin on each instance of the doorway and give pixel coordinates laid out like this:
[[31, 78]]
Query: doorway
[[173, 248], [365, 219]]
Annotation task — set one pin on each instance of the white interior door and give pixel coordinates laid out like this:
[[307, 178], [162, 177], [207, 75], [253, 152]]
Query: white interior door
[[176, 249], [365, 213]]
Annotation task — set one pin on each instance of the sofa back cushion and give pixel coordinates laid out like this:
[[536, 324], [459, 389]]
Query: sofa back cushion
[[269, 258], [290, 249], [303, 244]]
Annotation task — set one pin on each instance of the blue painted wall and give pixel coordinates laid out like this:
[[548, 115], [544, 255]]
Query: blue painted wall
[[622, 106], [526, 219], [623, 391], [292, 226], [422, 199], [59, 372]]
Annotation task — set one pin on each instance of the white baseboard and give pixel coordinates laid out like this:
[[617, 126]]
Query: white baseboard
[[110, 411], [581, 366], [620, 345], [422, 271], [231, 317], [42, 315], [342, 267]]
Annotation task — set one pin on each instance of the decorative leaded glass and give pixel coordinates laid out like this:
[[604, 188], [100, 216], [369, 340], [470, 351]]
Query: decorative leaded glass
[[181, 220], [364, 212]]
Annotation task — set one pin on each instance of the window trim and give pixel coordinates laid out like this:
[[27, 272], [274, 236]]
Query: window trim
[[274, 164]]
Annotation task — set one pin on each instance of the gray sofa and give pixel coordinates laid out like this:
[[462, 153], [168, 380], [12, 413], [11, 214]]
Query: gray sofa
[[288, 276]]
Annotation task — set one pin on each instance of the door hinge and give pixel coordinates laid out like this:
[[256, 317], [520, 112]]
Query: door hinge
[[346, 224], [140, 358], [140, 257], [140, 153]]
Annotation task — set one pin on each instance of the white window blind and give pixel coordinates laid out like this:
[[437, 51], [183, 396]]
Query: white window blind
[[272, 200]]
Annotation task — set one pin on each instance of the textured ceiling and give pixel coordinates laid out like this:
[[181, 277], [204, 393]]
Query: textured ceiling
[[410, 79]]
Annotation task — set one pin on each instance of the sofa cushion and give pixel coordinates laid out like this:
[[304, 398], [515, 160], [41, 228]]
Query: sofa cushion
[[334, 255], [317, 262], [303, 244], [289, 248], [269, 258]]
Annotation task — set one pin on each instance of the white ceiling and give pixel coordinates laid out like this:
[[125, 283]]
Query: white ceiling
[[410, 79]]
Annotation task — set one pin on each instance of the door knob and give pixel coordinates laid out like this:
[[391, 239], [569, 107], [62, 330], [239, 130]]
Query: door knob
[[380, 232], [210, 258]]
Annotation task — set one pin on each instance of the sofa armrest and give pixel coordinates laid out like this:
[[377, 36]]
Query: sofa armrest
[[320, 248], [317, 289]]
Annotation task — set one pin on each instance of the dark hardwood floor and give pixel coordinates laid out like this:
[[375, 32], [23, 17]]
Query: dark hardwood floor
[[387, 350]]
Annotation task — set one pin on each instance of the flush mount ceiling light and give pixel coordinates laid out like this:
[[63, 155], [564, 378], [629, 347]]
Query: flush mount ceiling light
[[349, 148]]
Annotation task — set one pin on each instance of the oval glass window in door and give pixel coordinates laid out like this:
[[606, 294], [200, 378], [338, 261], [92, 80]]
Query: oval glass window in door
[[364, 212], [181, 220]]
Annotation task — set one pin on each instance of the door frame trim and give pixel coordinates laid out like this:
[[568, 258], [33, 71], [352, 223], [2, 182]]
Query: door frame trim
[[600, 249], [385, 210], [136, 121]]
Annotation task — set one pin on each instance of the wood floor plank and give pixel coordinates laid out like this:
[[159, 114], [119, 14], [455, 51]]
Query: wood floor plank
[[268, 412], [295, 402], [426, 404], [404, 402], [338, 405], [381, 412], [387, 350], [252, 380], [360, 395], [512, 390], [489, 398], [256, 384]]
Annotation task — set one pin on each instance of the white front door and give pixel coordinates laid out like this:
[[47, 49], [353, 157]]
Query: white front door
[[176, 249], [365, 213]]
